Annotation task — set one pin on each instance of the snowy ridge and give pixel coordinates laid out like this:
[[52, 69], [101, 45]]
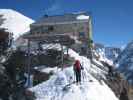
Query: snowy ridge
[[90, 88], [15, 22]]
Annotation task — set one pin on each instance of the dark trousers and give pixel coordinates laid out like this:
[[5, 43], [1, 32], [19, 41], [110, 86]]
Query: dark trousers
[[78, 76]]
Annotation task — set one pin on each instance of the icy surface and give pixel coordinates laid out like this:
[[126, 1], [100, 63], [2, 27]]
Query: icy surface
[[90, 89], [15, 22]]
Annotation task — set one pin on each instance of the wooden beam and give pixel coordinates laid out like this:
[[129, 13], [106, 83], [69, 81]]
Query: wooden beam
[[60, 38]]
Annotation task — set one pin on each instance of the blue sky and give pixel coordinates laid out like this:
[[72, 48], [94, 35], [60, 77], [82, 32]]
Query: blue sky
[[112, 19]]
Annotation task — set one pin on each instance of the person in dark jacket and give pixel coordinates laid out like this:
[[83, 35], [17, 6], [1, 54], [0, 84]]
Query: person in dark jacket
[[77, 70]]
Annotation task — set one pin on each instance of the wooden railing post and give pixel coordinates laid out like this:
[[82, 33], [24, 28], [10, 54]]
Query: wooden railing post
[[62, 57]]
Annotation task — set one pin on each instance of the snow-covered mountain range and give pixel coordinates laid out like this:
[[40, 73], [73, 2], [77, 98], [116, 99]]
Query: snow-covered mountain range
[[14, 22], [125, 62], [110, 53]]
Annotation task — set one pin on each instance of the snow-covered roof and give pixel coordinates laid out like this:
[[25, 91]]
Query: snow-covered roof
[[82, 17]]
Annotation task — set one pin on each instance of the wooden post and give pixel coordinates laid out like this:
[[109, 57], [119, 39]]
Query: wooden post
[[29, 64], [67, 50], [39, 48], [39, 52], [62, 58]]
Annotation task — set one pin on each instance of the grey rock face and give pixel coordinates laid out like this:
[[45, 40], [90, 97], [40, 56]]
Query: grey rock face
[[125, 62]]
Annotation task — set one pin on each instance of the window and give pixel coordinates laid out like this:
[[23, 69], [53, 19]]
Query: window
[[81, 34], [50, 28]]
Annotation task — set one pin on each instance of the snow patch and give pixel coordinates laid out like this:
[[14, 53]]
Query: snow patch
[[46, 69], [82, 17]]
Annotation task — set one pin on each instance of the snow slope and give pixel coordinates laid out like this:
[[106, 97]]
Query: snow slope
[[91, 87], [15, 22]]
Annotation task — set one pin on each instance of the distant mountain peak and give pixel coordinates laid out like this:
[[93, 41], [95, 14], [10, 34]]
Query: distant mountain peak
[[125, 62]]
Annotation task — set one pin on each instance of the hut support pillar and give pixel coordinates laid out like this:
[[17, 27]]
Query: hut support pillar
[[39, 52], [62, 57], [29, 65], [67, 51]]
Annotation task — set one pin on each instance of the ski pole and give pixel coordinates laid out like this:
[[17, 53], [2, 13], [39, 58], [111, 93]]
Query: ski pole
[[74, 76], [82, 69]]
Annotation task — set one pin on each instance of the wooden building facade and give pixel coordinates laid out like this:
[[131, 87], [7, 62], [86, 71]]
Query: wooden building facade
[[62, 28]]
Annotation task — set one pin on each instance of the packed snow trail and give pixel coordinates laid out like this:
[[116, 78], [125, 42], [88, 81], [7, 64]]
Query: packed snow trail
[[90, 88]]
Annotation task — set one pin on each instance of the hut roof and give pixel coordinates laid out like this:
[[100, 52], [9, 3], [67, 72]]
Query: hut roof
[[63, 19]]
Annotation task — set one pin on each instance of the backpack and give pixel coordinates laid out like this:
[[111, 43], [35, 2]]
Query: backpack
[[77, 65]]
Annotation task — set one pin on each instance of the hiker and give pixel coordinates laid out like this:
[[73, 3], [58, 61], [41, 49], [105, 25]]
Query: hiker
[[77, 70]]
